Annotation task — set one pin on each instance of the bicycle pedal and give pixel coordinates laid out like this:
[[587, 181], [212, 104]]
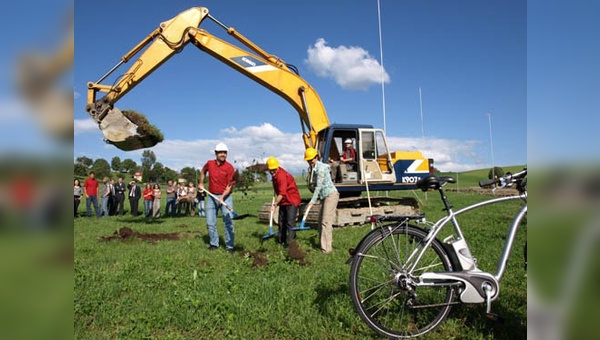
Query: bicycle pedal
[[494, 317]]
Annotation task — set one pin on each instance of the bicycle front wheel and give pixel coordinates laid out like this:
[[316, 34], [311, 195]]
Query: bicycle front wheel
[[383, 290]]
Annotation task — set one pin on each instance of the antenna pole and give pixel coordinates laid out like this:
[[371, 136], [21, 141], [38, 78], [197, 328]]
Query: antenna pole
[[382, 70], [421, 108]]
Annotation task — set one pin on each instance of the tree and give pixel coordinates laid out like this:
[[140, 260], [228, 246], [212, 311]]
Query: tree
[[159, 170], [496, 171], [189, 174], [101, 169], [244, 181], [148, 159], [80, 170], [129, 164], [169, 174], [86, 161], [115, 163]]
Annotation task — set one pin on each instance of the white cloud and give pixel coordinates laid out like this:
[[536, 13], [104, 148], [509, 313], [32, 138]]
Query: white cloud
[[351, 67], [84, 126], [256, 143], [448, 155]]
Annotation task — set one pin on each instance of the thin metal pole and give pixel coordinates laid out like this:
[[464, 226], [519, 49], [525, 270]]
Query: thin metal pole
[[382, 69], [421, 108], [491, 144]]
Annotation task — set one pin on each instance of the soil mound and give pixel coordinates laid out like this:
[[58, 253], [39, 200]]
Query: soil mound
[[127, 234]]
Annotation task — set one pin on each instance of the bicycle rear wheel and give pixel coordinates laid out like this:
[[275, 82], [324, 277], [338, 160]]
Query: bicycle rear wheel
[[384, 292]]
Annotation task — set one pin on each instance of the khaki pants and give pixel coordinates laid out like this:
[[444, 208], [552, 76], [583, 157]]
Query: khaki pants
[[326, 218]]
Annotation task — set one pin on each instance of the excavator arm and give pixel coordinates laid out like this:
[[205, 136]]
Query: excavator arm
[[171, 37]]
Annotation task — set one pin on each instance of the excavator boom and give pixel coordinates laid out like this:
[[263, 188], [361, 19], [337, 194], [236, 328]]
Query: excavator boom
[[171, 37]]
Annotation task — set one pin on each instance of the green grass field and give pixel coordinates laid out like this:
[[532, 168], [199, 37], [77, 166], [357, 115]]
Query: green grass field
[[177, 289]]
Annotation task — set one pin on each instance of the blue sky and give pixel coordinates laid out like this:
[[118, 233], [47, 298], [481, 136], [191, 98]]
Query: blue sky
[[468, 57]]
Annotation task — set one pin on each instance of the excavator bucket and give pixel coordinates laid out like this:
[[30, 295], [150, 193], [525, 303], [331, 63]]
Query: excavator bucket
[[129, 130]]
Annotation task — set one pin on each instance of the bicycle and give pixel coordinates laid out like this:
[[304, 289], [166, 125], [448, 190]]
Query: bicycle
[[404, 280]]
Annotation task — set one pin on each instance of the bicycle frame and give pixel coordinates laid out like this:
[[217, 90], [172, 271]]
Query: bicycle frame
[[415, 257]]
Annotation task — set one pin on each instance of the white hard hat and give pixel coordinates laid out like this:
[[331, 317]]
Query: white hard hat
[[348, 141], [221, 147]]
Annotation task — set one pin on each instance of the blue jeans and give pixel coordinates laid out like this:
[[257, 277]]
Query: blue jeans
[[201, 211], [105, 205], [89, 201], [170, 206], [211, 221], [147, 208]]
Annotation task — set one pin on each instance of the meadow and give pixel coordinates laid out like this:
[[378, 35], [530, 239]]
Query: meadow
[[178, 289]]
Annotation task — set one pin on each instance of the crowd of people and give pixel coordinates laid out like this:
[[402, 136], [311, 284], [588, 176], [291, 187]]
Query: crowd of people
[[108, 198], [188, 199]]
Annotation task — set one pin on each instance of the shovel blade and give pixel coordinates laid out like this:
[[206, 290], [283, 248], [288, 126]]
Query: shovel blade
[[301, 227]]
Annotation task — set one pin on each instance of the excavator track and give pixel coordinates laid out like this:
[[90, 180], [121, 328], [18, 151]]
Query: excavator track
[[350, 210]]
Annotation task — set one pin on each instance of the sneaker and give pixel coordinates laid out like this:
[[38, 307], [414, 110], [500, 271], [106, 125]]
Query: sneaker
[[230, 250], [213, 247]]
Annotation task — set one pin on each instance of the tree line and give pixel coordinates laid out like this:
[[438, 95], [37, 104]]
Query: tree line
[[152, 171]]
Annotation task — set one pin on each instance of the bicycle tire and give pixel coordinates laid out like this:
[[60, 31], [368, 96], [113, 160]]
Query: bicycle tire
[[381, 288]]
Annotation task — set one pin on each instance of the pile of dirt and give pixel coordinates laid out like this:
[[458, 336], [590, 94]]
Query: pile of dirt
[[127, 234], [296, 253], [258, 259]]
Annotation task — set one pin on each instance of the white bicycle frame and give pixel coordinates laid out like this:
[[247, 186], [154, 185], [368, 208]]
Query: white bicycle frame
[[417, 254]]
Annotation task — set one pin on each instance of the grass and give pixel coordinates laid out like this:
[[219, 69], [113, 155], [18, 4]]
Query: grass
[[180, 290]]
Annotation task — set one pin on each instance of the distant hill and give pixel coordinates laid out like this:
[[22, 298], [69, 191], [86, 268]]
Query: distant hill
[[472, 178]]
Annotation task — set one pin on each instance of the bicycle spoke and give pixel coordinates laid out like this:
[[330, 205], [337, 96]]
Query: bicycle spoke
[[386, 296]]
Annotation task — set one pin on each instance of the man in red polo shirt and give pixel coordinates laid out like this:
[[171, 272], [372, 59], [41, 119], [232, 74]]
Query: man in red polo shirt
[[90, 189], [220, 184], [288, 200]]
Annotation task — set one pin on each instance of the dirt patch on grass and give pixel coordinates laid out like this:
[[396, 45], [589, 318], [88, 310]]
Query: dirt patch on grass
[[295, 253], [127, 234], [258, 259]]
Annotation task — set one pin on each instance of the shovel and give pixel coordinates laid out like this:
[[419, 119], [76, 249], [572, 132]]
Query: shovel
[[271, 233], [233, 213], [302, 226]]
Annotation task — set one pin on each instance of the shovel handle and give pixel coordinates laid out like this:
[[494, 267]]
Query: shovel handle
[[272, 210], [215, 197], [306, 213]]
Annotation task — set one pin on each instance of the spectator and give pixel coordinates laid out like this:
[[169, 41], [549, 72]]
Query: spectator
[[148, 200], [191, 197], [90, 188], [220, 185], [171, 199], [200, 196], [105, 196], [288, 200], [120, 192], [78, 192], [134, 197], [326, 192], [181, 198], [112, 201], [156, 203]]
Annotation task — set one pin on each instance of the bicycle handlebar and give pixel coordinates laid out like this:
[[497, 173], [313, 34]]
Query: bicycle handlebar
[[505, 180]]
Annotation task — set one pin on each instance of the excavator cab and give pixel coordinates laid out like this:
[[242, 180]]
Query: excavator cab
[[372, 162]]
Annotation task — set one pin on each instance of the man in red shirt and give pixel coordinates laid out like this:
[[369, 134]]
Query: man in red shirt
[[220, 184], [288, 200], [90, 188]]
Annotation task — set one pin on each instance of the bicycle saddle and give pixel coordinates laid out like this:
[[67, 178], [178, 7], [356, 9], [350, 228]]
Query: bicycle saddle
[[433, 182]]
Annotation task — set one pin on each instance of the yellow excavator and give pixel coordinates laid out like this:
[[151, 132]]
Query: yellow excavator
[[375, 167]]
